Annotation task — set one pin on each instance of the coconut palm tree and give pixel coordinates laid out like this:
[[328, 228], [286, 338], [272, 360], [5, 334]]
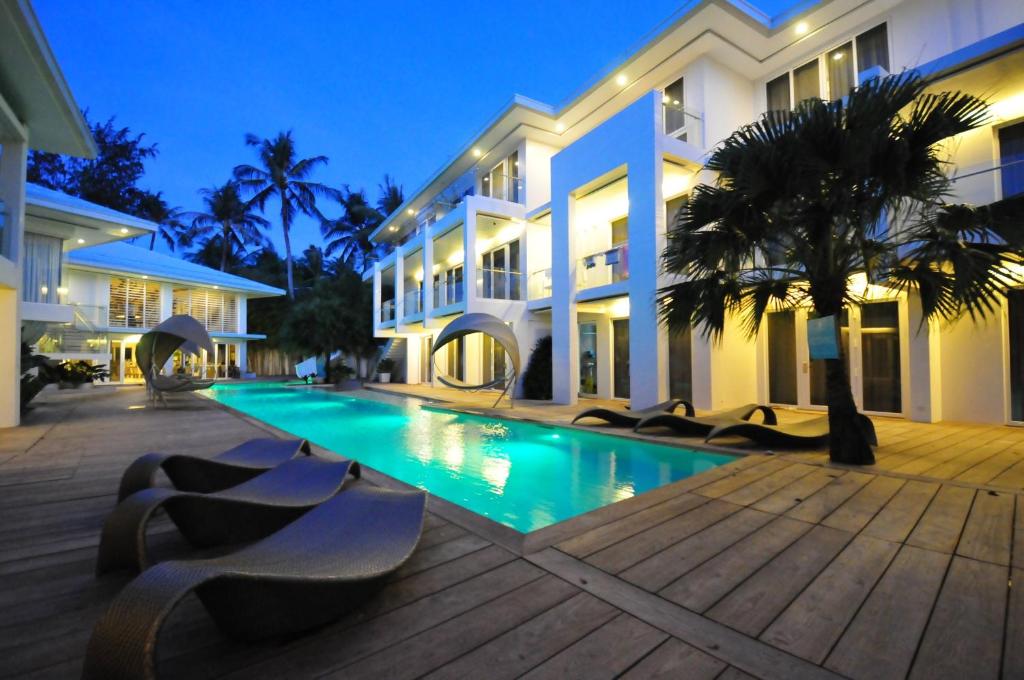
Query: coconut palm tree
[[806, 199], [170, 227], [282, 176], [390, 196], [228, 218], [349, 235]]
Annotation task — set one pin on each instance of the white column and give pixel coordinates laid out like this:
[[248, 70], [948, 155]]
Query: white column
[[12, 191], [243, 356], [469, 266], [376, 295], [167, 301], [399, 286], [924, 360], [564, 331], [243, 315], [428, 274]]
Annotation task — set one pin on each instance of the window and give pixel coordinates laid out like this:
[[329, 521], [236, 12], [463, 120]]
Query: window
[[134, 303], [672, 210], [41, 274], [1011, 159], [782, 358], [500, 273], [830, 75], [217, 311], [672, 105], [503, 180]]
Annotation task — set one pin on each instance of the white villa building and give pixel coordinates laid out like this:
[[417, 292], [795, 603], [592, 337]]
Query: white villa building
[[554, 217]]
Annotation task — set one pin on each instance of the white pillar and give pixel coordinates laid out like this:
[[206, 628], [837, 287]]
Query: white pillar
[[167, 301], [12, 191], [243, 356], [469, 266], [564, 331], [924, 360], [428, 274]]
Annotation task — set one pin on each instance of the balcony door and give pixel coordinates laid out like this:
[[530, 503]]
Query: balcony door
[[620, 358], [588, 359], [500, 273]]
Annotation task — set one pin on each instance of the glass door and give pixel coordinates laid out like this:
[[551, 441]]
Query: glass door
[[819, 389], [880, 357], [588, 359], [116, 362], [680, 366], [1015, 304], [782, 358], [620, 356]]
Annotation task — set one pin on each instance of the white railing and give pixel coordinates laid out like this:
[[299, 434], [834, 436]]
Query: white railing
[[448, 293], [387, 311], [499, 284], [412, 303], [603, 268], [539, 284], [682, 123]]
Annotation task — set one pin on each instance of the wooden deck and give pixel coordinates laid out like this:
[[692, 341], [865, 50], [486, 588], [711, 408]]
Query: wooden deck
[[771, 567]]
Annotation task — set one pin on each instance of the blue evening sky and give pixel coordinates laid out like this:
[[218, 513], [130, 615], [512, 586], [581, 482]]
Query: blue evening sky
[[379, 88]]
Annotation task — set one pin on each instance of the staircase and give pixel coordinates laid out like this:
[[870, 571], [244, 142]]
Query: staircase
[[393, 349]]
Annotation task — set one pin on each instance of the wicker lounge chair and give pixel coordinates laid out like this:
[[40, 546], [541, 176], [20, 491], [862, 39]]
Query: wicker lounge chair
[[813, 432], [246, 512], [628, 418], [696, 426], [304, 576], [205, 475]]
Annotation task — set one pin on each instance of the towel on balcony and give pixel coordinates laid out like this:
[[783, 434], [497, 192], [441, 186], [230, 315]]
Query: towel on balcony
[[590, 261], [611, 257]]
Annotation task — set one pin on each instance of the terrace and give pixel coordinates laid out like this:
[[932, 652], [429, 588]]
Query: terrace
[[771, 566]]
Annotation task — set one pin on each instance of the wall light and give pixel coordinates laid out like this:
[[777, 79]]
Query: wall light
[[145, 276], [559, 127], [801, 27], [81, 241], [477, 153], [124, 230], [621, 80]]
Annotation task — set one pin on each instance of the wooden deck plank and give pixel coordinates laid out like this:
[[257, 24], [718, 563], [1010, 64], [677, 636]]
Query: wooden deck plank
[[796, 492], [964, 636], [989, 469], [605, 653], [821, 504], [943, 521], [701, 588], [900, 515], [755, 491], [1013, 649], [988, 532], [861, 508], [531, 643], [755, 603], [883, 637], [675, 659], [816, 619], [741, 478]]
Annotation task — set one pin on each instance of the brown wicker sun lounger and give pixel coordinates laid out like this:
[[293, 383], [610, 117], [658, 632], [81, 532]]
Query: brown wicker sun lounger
[[304, 576], [246, 512], [628, 418], [813, 432], [205, 475], [696, 426]]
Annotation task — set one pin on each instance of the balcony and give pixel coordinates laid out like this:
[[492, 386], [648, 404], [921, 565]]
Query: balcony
[[448, 293], [81, 336], [603, 268], [412, 304], [387, 311], [539, 284], [499, 284], [504, 187]]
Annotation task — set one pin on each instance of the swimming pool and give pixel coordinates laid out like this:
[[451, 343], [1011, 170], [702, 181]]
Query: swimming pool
[[524, 475]]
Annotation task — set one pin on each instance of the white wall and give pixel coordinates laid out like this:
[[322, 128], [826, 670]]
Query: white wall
[[974, 372]]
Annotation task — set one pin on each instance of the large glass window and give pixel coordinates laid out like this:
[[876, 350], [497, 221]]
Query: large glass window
[[839, 65], [873, 49], [806, 82], [217, 311], [134, 303], [41, 272], [778, 94], [1011, 159], [588, 358], [620, 351], [880, 354], [672, 104], [782, 358]]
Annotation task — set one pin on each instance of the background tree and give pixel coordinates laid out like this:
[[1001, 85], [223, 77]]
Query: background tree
[[804, 200], [111, 179], [169, 221], [280, 175], [348, 237], [229, 218]]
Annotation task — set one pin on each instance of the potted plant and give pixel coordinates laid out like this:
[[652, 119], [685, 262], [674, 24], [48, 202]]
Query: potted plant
[[74, 374], [384, 368]]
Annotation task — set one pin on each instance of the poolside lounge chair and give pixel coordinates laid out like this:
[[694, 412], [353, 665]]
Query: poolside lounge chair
[[628, 418], [204, 475], [695, 426], [813, 432], [304, 576], [246, 512]]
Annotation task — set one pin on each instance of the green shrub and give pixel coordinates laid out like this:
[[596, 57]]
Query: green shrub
[[537, 379]]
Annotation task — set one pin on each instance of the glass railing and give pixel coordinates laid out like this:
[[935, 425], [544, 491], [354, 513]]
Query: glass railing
[[603, 268], [89, 317], [412, 303], [387, 311], [504, 187], [499, 284], [448, 293], [539, 284], [70, 338], [682, 123]]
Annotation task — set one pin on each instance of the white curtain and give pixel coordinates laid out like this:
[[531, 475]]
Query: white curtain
[[42, 268]]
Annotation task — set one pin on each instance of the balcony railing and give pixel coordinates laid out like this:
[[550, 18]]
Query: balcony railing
[[539, 284], [506, 188], [448, 293], [89, 317], [499, 284], [387, 311], [682, 123], [412, 303], [603, 268]]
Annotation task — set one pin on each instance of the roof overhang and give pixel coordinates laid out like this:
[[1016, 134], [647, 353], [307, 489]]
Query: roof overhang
[[79, 223], [33, 87]]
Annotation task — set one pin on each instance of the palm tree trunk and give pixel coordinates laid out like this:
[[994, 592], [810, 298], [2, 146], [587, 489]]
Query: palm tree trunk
[[224, 250], [152, 240], [848, 441], [287, 249]]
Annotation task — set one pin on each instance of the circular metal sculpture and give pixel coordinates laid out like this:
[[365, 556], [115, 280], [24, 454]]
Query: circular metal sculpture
[[177, 332], [491, 326]]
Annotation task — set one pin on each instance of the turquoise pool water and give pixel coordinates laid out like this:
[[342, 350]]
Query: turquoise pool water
[[523, 475]]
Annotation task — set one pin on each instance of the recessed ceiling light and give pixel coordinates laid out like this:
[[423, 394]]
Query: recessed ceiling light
[[410, 211], [81, 241], [559, 127], [124, 230], [477, 153], [801, 27], [145, 276], [216, 287], [392, 228], [621, 79], [837, 56]]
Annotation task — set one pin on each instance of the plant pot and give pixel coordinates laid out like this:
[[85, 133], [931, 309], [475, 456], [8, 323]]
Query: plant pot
[[384, 377]]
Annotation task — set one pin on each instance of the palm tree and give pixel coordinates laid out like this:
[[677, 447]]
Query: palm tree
[[168, 220], [349, 235], [806, 199], [286, 178], [229, 218]]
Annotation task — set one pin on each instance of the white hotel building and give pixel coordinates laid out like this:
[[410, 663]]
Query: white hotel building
[[553, 218]]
